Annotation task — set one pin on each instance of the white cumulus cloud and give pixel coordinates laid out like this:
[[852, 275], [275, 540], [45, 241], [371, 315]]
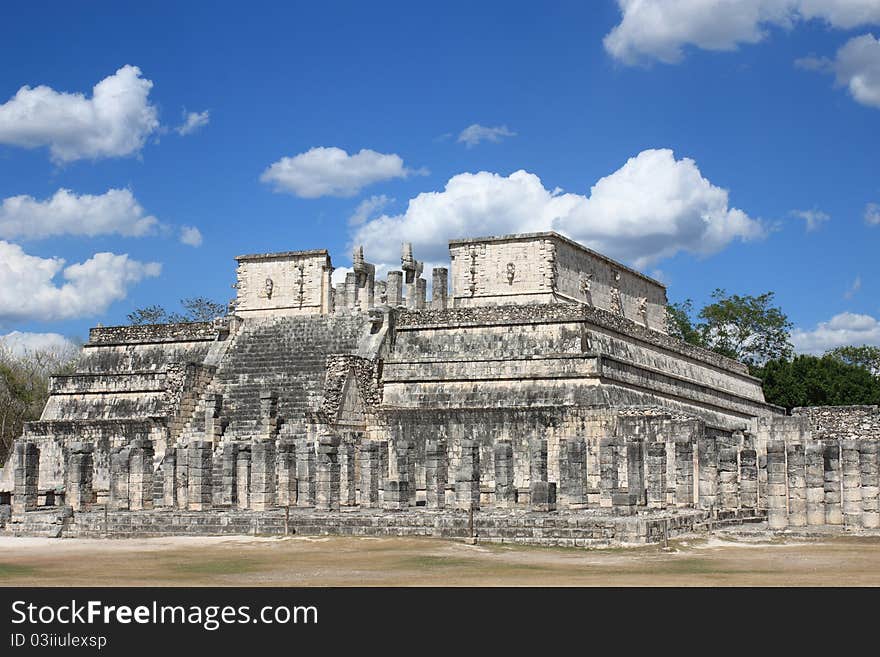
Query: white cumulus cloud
[[67, 213], [813, 218], [660, 29], [841, 330], [856, 66], [114, 122], [29, 291], [652, 207], [331, 171], [190, 235], [475, 133], [368, 207], [872, 214], [193, 121]]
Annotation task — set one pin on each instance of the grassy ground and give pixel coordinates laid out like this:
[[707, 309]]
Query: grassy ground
[[249, 561]]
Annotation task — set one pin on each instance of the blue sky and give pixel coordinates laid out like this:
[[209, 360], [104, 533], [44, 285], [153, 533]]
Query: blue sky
[[736, 144]]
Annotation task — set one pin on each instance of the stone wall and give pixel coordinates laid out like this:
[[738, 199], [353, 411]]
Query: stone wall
[[841, 422], [291, 283]]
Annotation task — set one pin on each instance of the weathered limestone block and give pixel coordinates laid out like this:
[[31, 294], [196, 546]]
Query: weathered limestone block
[[327, 473], [269, 421], [228, 489], [467, 476], [656, 466], [394, 288], [797, 486], [25, 476], [870, 470], [243, 476], [213, 425], [169, 469], [370, 473], [831, 465], [286, 466], [572, 472], [777, 512], [762, 481], [262, 495], [748, 478], [815, 477], [505, 490], [347, 481], [608, 471], [140, 486], [404, 465], [80, 468], [728, 478], [439, 288], [305, 472], [635, 470], [200, 467], [852, 481], [707, 457], [542, 494], [120, 462], [684, 472], [436, 473]]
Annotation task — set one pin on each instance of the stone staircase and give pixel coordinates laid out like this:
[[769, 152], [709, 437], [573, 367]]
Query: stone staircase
[[286, 355]]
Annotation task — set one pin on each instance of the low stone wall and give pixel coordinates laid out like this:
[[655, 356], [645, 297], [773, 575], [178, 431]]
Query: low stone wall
[[147, 333], [841, 422], [564, 529]]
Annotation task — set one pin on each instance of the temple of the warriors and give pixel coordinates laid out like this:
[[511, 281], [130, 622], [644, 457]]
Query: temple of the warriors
[[533, 396]]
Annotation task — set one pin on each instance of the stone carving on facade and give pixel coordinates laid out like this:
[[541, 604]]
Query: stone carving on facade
[[616, 303], [301, 284], [268, 287], [643, 309], [586, 285], [411, 267], [511, 272], [472, 284]]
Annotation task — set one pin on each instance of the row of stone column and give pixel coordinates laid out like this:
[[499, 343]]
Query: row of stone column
[[824, 483], [79, 490]]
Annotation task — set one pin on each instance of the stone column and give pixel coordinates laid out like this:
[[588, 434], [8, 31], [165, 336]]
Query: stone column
[[213, 424], [728, 479], [421, 293], [815, 478], [573, 472], [635, 470], [436, 473], [831, 465], [396, 496], [505, 491], [542, 493], [707, 456], [656, 461], [169, 470], [394, 288], [797, 486], [25, 476], [439, 287], [80, 494], [852, 480], [262, 495], [181, 477], [305, 472], [120, 462], [286, 466], [200, 465], [777, 513], [684, 472], [762, 481], [748, 478], [402, 452], [870, 482], [243, 476], [141, 474], [467, 477], [327, 474], [347, 482], [370, 473], [228, 494], [351, 290], [608, 480]]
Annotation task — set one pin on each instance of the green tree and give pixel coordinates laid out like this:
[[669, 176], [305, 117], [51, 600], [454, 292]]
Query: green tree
[[148, 315], [864, 356], [817, 381], [679, 322], [746, 328]]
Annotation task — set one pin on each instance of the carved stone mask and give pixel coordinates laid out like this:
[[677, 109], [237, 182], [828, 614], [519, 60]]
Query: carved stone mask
[[511, 272], [269, 286]]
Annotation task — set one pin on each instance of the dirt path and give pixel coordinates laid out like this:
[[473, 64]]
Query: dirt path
[[248, 561]]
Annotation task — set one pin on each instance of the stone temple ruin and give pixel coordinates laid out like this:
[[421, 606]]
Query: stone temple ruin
[[536, 397]]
